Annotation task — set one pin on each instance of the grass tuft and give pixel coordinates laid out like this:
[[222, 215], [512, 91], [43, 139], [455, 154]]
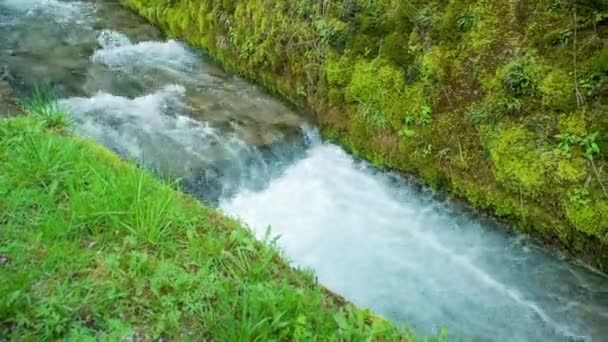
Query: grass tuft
[[44, 105]]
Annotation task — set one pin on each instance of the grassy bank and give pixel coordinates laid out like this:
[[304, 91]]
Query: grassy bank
[[93, 248], [500, 102]]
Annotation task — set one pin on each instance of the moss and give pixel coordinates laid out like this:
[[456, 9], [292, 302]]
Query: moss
[[570, 170], [395, 49], [572, 123], [376, 88], [590, 218], [338, 71], [433, 64], [363, 45], [557, 91], [518, 164]]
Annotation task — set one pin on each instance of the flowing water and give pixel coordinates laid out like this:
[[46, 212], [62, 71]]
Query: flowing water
[[380, 239]]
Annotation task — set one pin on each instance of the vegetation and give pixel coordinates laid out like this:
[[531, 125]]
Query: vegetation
[[93, 248], [479, 98]]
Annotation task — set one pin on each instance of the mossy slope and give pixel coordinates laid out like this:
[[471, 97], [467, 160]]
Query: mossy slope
[[501, 102], [93, 248]]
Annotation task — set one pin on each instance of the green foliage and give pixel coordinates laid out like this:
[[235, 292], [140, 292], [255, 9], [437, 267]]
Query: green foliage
[[406, 132], [427, 18], [338, 74], [570, 169], [466, 20], [425, 116], [248, 50], [45, 107], [579, 196], [586, 141], [395, 48], [477, 114], [589, 146], [520, 77], [95, 249], [302, 91], [596, 77], [566, 141]]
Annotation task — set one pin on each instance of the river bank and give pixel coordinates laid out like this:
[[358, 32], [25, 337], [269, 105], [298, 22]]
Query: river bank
[[92, 247], [474, 100]]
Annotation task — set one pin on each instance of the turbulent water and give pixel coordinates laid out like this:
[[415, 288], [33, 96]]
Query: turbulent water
[[381, 240]]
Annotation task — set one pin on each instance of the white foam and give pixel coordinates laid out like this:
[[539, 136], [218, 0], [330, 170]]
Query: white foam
[[109, 39], [154, 130], [60, 11], [122, 123], [118, 53], [387, 249]]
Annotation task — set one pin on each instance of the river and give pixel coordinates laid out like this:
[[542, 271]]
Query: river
[[382, 240]]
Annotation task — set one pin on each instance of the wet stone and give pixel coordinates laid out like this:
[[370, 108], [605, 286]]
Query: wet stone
[[8, 105]]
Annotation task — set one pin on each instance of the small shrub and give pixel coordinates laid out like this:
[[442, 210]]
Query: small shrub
[[466, 20], [427, 18], [519, 78]]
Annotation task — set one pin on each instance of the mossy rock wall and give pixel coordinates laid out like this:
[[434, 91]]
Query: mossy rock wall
[[502, 102]]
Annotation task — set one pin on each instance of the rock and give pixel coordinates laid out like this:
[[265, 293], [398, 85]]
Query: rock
[[8, 105]]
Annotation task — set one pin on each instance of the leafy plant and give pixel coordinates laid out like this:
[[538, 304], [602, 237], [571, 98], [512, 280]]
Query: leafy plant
[[302, 91], [323, 29], [376, 87], [427, 18], [589, 146], [375, 117], [409, 119], [479, 113], [586, 141], [518, 78], [233, 36], [428, 150], [407, 132], [425, 116], [566, 141], [512, 105], [443, 154], [248, 50], [579, 196]]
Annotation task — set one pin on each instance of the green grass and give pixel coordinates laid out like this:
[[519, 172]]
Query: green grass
[[93, 248]]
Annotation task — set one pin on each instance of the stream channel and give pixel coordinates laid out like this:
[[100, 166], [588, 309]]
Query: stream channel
[[380, 239]]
